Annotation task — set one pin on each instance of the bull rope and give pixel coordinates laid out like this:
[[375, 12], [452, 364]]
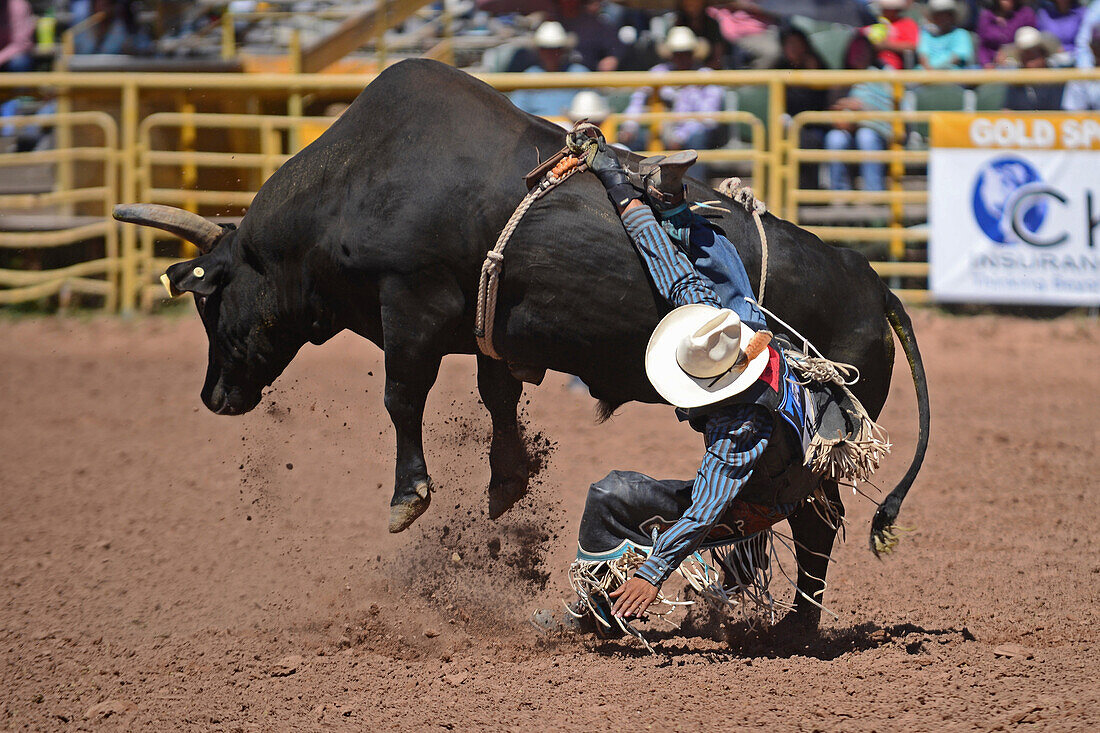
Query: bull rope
[[488, 284], [494, 258], [743, 195]]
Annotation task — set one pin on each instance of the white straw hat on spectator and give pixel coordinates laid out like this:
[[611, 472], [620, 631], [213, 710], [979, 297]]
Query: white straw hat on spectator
[[589, 105], [682, 39], [1027, 39], [942, 6], [551, 34], [892, 4]]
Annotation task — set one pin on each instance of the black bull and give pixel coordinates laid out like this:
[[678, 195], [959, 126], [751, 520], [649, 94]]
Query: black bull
[[381, 226]]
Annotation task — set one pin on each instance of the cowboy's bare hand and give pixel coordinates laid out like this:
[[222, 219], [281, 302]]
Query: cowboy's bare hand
[[633, 597]]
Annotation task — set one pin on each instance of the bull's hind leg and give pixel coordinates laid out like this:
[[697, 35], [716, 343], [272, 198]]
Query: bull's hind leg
[[500, 392], [418, 323], [814, 529]]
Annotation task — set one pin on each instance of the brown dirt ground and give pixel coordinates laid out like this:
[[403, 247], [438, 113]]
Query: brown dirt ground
[[164, 568]]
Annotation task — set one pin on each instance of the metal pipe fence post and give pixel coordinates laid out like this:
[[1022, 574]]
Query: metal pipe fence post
[[229, 37], [131, 268], [897, 173], [777, 103], [295, 106]]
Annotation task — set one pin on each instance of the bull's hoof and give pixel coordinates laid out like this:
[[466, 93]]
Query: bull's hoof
[[404, 513], [504, 494]]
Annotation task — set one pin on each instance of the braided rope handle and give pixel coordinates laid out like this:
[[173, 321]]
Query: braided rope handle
[[744, 196]]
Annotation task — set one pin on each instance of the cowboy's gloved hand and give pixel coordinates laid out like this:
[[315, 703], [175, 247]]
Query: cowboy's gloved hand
[[602, 161]]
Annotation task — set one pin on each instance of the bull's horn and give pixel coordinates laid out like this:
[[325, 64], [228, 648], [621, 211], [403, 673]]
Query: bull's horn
[[172, 292], [192, 227]]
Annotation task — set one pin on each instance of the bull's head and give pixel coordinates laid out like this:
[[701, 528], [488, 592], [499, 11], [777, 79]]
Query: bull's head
[[255, 313]]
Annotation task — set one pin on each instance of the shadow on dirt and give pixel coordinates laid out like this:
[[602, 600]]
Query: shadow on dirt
[[741, 641]]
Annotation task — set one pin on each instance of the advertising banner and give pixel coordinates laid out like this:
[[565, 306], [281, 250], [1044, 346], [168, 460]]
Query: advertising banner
[[1014, 208]]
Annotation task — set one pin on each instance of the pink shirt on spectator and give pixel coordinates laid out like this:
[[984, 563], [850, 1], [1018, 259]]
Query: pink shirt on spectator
[[736, 24], [995, 31], [21, 33]]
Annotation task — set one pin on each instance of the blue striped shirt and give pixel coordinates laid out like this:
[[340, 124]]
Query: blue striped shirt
[[735, 436]]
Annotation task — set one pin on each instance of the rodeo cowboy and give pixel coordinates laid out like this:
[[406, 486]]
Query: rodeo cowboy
[[714, 359]]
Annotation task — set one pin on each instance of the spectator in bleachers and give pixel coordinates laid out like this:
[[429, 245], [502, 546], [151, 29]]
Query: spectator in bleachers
[[554, 46], [1082, 45], [895, 34], [693, 14], [1081, 95], [1061, 19], [684, 51], [117, 33], [16, 36], [799, 53], [752, 32], [997, 26], [597, 38], [588, 105], [868, 134], [1030, 50], [944, 45]]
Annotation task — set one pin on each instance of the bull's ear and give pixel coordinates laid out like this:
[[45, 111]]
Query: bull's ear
[[201, 276]]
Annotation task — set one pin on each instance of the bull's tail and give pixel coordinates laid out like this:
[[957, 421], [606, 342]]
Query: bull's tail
[[882, 526]]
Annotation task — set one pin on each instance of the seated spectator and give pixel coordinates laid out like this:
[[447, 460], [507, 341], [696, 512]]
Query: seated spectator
[[693, 14], [867, 135], [117, 33], [16, 36], [1029, 50], [895, 33], [997, 26], [588, 105], [597, 38], [753, 33], [1061, 19], [944, 45], [684, 51], [1081, 95], [554, 46], [1082, 45], [799, 53]]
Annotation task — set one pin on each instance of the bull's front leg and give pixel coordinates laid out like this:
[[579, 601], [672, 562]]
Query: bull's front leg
[[417, 319], [500, 392], [814, 529], [407, 389]]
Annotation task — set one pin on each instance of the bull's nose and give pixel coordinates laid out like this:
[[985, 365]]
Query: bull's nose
[[218, 401]]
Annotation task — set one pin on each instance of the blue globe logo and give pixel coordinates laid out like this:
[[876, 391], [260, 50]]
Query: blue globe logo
[[995, 191]]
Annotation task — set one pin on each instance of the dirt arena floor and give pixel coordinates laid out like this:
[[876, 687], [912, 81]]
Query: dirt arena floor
[[164, 568]]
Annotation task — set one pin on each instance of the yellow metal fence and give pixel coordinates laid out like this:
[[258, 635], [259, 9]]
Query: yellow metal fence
[[158, 157]]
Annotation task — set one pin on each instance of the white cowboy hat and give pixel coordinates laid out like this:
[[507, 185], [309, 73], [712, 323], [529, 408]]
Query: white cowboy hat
[[1028, 38], [589, 105], [893, 4], [942, 6], [682, 39], [551, 34], [699, 355]]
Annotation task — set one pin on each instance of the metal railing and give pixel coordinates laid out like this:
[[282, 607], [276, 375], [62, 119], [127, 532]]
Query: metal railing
[[772, 149], [55, 224]]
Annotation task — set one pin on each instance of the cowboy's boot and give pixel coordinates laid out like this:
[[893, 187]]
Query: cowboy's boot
[[663, 179]]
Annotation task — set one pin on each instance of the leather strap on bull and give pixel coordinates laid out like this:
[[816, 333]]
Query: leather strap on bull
[[558, 168]]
